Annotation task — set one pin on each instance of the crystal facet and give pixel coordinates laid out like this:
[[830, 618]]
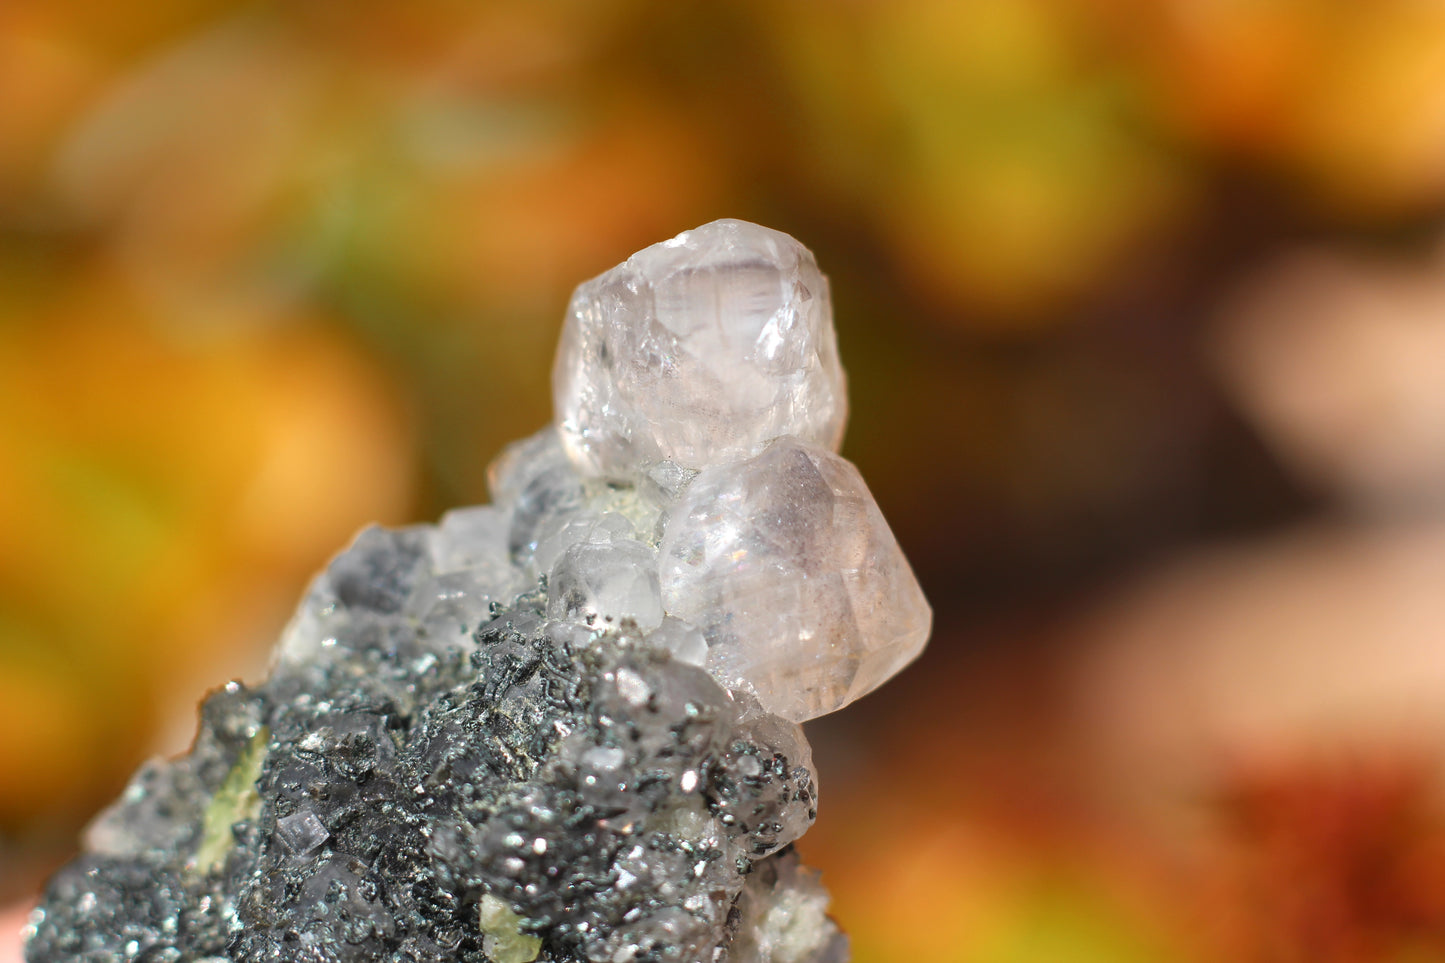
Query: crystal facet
[[787, 566], [604, 583], [699, 350]]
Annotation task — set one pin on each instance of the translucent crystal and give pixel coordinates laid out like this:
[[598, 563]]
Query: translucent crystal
[[682, 641], [771, 752], [302, 832], [606, 584], [536, 484], [471, 539], [379, 569], [783, 918], [699, 350], [470, 571], [787, 566], [582, 528]]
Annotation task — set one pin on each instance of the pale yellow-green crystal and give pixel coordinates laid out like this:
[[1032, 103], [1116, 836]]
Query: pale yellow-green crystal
[[502, 938], [236, 801]]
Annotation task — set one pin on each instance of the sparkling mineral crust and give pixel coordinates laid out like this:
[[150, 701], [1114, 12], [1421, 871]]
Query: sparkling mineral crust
[[562, 727]]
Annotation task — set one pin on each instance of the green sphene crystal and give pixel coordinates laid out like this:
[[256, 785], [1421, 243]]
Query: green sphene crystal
[[502, 938], [236, 801]]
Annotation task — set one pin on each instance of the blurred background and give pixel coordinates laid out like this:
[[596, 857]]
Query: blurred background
[[1143, 305]]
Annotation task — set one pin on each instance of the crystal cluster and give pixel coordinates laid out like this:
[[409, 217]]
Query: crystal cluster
[[563, 726]]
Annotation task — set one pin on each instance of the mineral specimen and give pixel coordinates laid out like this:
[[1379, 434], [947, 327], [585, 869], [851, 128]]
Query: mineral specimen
[[698, 351], [562, 727]]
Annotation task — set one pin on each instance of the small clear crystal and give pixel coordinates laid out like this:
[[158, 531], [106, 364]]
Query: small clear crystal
[[699, 350], [471, 539], [682, 641], [302, 832], [585, 527], [786, 565], [606, 584]]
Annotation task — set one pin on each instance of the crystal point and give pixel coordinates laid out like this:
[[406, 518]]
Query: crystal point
[[788, 568], [699, 350]]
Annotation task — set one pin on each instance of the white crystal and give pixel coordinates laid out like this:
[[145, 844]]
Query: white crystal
[[783, 918], [470, 539], [302, 832], [603, 758], [682, 641], [584, 527], [688, 490], [470, 569], [536, 484], [603, 584], [786, 565], [699, 350], [633, 688], [521, 462]]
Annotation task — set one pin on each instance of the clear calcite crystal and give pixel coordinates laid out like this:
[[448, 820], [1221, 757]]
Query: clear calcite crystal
[[785, 564], [697, 354], [562, 727], [606, 582], [699, 350]]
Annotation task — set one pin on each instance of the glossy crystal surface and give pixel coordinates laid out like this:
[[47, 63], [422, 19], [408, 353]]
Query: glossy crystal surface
[[699, 350], [787, 567]]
